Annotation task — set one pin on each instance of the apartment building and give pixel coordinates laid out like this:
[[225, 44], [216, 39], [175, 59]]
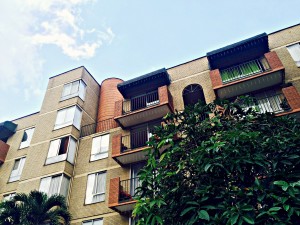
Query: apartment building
[[87, 140]]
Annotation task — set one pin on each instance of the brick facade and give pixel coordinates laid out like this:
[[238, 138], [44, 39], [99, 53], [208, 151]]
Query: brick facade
[[3, 151], [292, 96]]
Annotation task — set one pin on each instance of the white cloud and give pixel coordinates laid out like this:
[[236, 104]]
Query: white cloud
[[28, 25]]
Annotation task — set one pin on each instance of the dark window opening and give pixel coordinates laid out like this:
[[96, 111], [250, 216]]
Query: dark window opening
[[63, 148], [192, 94]]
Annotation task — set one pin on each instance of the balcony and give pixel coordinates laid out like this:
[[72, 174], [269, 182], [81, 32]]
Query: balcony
[[3, 151], [265, 102], [131, 148], [139, 109], [248, 77], [97, 127], [122, 194]]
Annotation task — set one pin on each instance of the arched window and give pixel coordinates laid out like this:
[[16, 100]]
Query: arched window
[[192, 94]]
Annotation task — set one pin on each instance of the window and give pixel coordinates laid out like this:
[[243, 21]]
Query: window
[[58, 184], [93, 222], [100, 147], [27, 136], [68, 116], [95, 191], [192, 94], [294, 50], [76, 88], [8, 196], [17, 169], [62, 149]]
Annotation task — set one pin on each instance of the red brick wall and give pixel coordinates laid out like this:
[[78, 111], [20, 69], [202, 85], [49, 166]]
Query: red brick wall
[[116, 145], [114, 187], [109, 94], [163, 94], [292, 96], [215, 77], [118, 108], [3, 151], [273, 60]]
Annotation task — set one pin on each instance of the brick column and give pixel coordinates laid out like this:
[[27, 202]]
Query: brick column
[[3, 151], [118, 108], [273, 60], [292, 96], [163, 94], [215, 78], [114, 190], [116, 145]]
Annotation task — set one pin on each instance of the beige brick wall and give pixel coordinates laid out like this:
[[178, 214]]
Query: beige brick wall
[[194, 72], [77, 206]]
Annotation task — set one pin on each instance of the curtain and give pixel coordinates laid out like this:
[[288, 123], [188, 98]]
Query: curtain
[[64, 186], [89, 188], [99, 187], [71, 150], [54, 185]]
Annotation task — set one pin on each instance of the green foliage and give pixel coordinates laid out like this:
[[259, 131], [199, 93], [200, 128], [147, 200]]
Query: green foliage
[[34, 209], [236, 167]]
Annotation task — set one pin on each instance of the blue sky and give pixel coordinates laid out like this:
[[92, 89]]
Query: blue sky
[[118, 38]]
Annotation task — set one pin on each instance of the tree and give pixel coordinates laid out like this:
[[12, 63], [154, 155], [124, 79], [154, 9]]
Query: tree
[[236, 167], [34, 209]]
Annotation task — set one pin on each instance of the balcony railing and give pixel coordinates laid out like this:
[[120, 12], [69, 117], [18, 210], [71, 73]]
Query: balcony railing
[[128, 189], [136, 139], [275, 103], [100, 126], [140, 102], [244, 70]]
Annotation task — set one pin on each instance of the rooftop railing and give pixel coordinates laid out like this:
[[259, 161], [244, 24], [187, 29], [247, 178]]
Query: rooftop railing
[[140, 102], [243, 70], [128, 189], [100, 126]]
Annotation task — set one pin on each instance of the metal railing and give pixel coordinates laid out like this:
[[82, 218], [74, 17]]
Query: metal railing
[[274, 103], [128, 189], [135, 140], [244, 70], [100, 126], [140, 102]]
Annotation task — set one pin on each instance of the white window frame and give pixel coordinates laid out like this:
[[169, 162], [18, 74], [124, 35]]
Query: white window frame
[[26, 143], [17, 172], [92, 222], [294, 51], [53, 152], [46, 182], [92, 185], [100, 147], [62, 114], [74, 91], [9, 196]]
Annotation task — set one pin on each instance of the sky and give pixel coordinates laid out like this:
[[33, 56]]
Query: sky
[[118, 38]]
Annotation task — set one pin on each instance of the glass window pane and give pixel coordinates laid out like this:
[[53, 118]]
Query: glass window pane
[[67, 89], [45, 184], [28, 136], [77, 118], [53, 149], [294, 50], [96, 145], [89, 188], [75, 87], [64, 186], [70, 112], [104, 143], [60, 118], [82, 89]]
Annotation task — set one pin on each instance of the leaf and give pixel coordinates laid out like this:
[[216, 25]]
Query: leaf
[[274, 209], [281, 183], [234, 219], [162, 157], [159, 219], [187, 210], [286, 207], [248, 219], [152, 204], [207, 167], [203, 214]]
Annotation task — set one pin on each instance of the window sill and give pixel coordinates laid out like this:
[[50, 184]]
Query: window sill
[[24, 147], [70, 97], [61, 126]]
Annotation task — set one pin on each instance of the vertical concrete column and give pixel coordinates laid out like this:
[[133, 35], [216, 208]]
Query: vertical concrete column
[[292, 96], [114, 190]]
